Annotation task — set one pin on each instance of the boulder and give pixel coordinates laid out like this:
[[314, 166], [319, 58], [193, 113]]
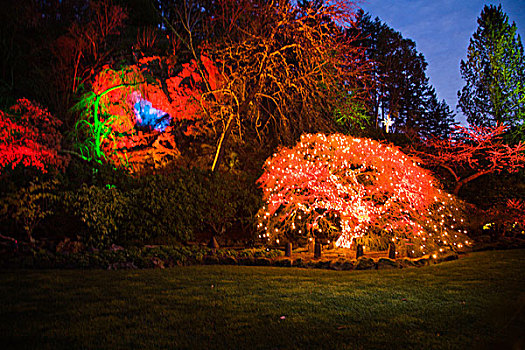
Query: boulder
[[284, 262], [364, 263], [323, 264], [347, 265], [299, 262], [406, 262], [385, 263]]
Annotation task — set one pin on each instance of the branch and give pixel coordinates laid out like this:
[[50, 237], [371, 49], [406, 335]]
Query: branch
[[460, 184]]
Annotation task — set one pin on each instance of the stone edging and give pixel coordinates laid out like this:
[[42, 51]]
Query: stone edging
[[340, 264]]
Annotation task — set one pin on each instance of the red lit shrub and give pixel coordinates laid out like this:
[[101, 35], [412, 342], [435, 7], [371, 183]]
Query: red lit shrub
[[29, 136], [338, 187]]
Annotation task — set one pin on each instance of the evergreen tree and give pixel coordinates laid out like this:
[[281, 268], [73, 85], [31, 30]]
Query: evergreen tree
[[404, 95], [437, 119], [494, 73]]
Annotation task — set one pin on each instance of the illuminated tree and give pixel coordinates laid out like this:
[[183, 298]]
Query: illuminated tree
[[340, 188], [474, 151], [494, 72], [287, 68], [29, 136]]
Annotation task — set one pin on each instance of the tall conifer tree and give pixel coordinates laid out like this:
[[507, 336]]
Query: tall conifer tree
[[404, 95], [494, 72]]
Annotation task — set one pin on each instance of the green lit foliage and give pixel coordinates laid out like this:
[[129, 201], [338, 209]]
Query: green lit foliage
[[106, 110], [29, 205], [494, 73]]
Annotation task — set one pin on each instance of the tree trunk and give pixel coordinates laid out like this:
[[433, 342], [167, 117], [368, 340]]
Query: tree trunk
[[465, 180]]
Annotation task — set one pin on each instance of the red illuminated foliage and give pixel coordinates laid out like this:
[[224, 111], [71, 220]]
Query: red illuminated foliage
[[339, 187], [30, 137], [473, 151]]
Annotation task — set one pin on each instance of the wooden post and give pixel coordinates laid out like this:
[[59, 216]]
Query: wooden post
[[359, 251], [392, 250], [288, 250], [213, 245], [317, 250], [310, 246]]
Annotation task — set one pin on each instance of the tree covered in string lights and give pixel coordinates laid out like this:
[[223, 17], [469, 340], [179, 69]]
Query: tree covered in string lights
[[341, 188]]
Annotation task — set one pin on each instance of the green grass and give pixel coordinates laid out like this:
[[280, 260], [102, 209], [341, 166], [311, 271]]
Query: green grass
[[475, 302]]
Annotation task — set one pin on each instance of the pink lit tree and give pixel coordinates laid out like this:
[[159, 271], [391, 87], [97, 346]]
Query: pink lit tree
[[342, 188]]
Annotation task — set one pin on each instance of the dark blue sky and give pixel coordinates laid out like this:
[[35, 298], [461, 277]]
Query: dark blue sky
[[442, 30]]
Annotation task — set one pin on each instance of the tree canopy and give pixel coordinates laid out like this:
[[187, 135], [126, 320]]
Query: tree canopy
[[494, 74], [404, 97]]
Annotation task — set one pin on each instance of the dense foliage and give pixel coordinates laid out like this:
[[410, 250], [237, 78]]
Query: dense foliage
[[341, 188], [164, 208], [29, 136], [404, 100], [147, 122], [494, 73]]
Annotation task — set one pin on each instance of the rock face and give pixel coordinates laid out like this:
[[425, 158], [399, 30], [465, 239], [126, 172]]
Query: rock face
[[384, 263], [364, 263]]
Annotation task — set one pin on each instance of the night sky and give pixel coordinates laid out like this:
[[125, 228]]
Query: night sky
[[442, 30]]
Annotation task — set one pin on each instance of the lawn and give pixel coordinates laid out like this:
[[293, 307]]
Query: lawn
[[477, 301]]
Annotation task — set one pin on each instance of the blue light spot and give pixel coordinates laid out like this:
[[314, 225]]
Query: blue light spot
[[149, 116]]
